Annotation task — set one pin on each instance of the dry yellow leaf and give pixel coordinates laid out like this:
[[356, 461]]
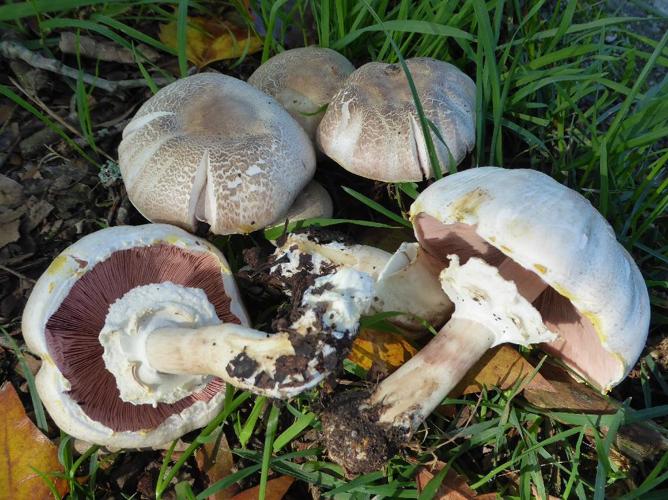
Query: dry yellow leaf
[[385, 349], [24, 449], [500, 367], [210, 40], [276, 489]]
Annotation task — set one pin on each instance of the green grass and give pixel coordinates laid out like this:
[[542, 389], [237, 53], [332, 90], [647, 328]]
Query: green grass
[[563, 89]]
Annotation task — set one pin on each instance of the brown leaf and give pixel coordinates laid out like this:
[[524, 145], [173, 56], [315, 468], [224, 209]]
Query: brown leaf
[[215, 460], [453, 487], [9, 232], [560, 392], [387, 350], [500, 367], [212, 39], [276, 489], [24, 449]]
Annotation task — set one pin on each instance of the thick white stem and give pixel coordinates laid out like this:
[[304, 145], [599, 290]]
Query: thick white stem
[[409, 283], [412, 392], [234, 353]]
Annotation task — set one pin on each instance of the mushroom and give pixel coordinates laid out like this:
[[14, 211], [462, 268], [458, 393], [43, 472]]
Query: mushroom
[[372, 128], [314, 201], [139, 328], [212, 148], [525, 260], [303, 80], [405, 281]]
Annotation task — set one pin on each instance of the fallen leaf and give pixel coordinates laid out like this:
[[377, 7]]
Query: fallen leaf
[[500, 367], [24, 450], [38, 210], [453, 486], [11, 192], [385, 349], [276, 489], [209, 40], [9, 232], [561, 392], [215, 460]]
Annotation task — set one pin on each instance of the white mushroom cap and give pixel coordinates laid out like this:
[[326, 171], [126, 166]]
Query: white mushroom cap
[[303, 80], [210, 147], [371, 127], [50, 292], [598, 302]]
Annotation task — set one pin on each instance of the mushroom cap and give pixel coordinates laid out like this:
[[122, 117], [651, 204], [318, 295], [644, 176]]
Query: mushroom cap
[[303, 80], [213, 148], [313, 201], [372, 128], [557, 234], [50, 293]]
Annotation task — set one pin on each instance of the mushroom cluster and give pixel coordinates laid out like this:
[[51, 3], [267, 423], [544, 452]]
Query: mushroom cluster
[[139, 328], [525, 260]]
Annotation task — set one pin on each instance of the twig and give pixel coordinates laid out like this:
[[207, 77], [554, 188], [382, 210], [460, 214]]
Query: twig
[[16, 273], [13, 50]]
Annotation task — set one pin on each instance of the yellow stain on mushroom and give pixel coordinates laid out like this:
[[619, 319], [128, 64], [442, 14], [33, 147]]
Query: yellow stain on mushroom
[[540, 268], [57, 265], [468, 205], [172, 239], [505, 249], [52, 286], [596, 323], [562, 291]]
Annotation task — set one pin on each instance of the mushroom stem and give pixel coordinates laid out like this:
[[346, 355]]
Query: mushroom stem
[[240, 356], [442, 363], [409, 283], [462, 342]]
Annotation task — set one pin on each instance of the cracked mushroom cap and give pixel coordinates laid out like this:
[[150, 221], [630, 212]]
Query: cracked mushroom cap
[[371, 127], [597, 302], [68, 308], [212, 148], [303, 80]]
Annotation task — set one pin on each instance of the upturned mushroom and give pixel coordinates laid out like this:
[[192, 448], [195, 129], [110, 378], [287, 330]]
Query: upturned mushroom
[[303, 80], [372, 128], [215, 149], [525, 260], [139, 328], [404, 282]]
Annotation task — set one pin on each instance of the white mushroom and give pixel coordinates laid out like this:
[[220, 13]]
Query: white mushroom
[[303, 80], [525, 260], [212, 148], [372, 128], [140, 327], [406, 281]]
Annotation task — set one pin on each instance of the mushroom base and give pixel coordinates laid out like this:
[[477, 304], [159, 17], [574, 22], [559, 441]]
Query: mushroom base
[[354, 437]]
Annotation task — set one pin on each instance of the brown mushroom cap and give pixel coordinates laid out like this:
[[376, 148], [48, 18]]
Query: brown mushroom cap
[[303, 80], [371, 127], [213, 148]]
